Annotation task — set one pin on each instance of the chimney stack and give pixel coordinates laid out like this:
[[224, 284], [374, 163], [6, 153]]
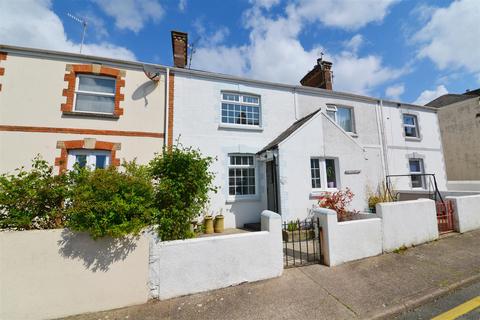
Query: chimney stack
[[179, 47], [320, 76]]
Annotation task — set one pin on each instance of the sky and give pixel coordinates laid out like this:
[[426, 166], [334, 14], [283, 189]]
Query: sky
[[404, 50]]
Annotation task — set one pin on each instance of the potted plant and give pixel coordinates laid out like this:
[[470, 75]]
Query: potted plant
[[219, 223], [208, 224], [331, 177]]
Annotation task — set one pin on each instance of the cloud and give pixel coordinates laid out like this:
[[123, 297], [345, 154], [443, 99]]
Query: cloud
[[451, 36], [344, 14], [354, 43], [267, 4], [275, 53], [182, 5], [32, 23], [132, 14], [395, 91], [429, 95]]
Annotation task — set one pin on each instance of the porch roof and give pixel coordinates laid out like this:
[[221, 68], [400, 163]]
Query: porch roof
[[285, 134]]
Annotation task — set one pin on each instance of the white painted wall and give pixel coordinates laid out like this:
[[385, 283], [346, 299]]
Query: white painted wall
[[53, 273], [467, 212], [349, 240], [407, 223], [463, 185], [320, 137], [188, 266], [401, 148]]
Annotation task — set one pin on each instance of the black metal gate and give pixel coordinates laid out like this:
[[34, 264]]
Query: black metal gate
[[301, 242]]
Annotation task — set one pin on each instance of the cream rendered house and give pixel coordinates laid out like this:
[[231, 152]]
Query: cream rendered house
[[76, 108]]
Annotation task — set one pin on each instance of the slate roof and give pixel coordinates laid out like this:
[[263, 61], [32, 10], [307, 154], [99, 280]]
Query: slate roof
[[448, 99], [285, 134]]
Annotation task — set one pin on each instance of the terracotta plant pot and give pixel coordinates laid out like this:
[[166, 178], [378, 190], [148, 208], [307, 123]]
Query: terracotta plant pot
[[208, 224], [219, 225]]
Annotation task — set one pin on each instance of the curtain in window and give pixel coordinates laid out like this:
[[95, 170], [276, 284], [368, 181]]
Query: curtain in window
[[344, 119]]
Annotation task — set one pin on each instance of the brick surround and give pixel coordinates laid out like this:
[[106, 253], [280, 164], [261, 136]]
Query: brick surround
[[3, 56], [88, 143], [95, 69]]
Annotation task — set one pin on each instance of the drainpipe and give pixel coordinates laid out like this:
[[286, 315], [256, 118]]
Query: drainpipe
[[167, 100], [384, 139], [295, 102]]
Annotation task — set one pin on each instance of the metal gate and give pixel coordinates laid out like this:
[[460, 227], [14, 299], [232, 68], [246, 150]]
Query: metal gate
[[301, 242], [445, 211]]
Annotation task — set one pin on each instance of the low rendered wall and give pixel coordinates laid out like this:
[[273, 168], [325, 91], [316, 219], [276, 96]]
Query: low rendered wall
[[466, 212], [188, 266], [53, 273], [349, 240], [407, 223]]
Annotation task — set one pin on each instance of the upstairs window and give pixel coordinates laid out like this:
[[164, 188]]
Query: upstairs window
[[93, 159], [410, 126], [416, 171], [343, 116], [95, 94], [240, 109], [241, 175]]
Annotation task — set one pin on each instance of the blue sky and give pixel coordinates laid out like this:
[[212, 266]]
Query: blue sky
[[409, 50]]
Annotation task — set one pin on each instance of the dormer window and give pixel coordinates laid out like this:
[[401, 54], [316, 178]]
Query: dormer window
[[95, 94], [240, 109]]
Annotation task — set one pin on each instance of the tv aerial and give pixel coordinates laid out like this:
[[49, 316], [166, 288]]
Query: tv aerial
[[192, 49], [83, 22], [151, 72]]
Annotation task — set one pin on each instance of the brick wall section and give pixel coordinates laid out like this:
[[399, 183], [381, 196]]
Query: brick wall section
[[71, 78], [171, 91], [64, 146], [3, 56]]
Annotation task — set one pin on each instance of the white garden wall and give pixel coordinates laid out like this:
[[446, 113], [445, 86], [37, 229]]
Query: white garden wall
[[349, 240], [53, 273], [466, 212], [188, 266], [407, 223]]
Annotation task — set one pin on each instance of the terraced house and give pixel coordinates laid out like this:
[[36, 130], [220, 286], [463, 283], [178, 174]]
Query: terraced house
[[277, 146]]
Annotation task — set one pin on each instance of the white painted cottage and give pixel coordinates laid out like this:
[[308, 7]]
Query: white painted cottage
[[279, 146]]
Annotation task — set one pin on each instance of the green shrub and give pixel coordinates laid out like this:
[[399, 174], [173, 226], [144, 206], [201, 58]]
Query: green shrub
[[182, 182], [32, 199], [110, 202]]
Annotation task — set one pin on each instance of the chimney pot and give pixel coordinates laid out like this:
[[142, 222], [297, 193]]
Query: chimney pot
[[179, 48]]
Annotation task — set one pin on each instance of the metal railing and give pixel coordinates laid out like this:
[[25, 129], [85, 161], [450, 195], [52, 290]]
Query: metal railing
[[301, 242]]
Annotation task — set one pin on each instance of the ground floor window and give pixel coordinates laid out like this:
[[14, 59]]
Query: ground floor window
[[416, 171], [241, 175], [323, 173], [94, 159]]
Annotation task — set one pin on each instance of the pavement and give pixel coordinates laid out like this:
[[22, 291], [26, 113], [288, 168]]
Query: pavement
[[374, 288]]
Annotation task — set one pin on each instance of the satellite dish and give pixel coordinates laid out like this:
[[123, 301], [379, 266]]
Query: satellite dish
[[151, 72]]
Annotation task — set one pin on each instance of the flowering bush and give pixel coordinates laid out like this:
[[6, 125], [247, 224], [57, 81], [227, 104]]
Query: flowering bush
[[337, 201]]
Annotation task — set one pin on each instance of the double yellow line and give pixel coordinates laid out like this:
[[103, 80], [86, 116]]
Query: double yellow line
[[460, 310]]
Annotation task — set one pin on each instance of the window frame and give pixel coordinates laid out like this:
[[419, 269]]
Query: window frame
[[415, 125], [93, 93], [236, 197], [422, 171], [241, 102], [90, 157], [323, 174], [334, 108]]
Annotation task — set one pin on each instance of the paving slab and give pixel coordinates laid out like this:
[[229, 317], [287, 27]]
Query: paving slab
[[377, 287]]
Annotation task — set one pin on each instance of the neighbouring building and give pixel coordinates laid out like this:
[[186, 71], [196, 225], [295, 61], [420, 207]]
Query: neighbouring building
[[76, 108], [459, 117], [277, 146]]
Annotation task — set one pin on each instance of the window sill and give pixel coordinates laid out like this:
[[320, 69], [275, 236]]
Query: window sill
[[242, 127], [413, 139], [353, 134], [233, 199], [89, 114]]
